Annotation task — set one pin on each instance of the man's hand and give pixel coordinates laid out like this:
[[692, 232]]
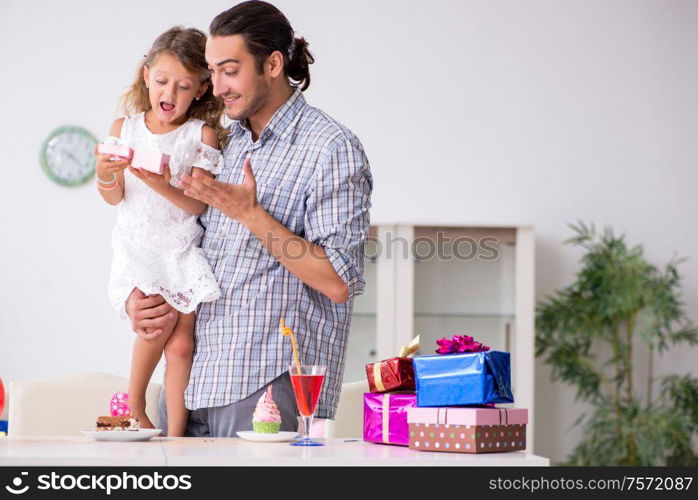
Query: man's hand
[[237, 201], [150, 315]]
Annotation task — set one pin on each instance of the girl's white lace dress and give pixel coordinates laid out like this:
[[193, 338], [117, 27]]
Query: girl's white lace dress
[[155, 243]]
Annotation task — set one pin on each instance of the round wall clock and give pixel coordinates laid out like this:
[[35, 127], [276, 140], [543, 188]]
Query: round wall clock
[[67, 156]]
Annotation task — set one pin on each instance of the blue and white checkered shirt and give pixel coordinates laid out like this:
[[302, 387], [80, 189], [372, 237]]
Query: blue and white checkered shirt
[[313, 177]]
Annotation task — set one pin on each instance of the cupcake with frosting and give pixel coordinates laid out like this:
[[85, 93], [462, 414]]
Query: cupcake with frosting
[[266, 418]]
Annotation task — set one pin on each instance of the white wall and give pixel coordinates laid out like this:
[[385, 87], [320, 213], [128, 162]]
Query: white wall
[[472, 112]]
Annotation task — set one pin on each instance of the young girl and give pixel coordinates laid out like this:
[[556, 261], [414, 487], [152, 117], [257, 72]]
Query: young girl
[[170, 109]]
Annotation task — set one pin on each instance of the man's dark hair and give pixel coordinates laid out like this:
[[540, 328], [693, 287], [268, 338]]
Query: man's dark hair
[[265, 29]]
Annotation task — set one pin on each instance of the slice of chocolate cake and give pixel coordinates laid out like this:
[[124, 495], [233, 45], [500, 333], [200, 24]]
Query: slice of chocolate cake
[[110, 423]]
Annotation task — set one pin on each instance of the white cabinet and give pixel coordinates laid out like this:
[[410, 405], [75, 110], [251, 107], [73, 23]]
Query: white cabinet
[[438, 281]]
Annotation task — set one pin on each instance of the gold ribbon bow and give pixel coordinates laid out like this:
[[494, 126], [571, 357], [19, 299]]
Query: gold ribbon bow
[[409, 349], [405, 352]]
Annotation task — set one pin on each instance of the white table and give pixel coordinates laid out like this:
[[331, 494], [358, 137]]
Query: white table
[[83, 451], [78, 451]]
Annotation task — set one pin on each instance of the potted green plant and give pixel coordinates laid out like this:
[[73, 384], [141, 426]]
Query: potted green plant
[[587, 333]]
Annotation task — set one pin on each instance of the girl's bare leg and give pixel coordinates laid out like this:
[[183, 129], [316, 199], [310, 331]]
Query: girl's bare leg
[[146, 355], [179, 352]]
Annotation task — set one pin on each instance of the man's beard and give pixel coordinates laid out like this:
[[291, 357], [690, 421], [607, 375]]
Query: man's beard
[[259, 100]]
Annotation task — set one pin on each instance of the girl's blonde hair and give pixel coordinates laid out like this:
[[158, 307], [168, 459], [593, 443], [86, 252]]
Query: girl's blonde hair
[[188, 46]]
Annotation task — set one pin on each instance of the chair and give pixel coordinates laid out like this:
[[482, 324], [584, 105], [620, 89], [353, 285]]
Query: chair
[[66, 404], [349, 420]]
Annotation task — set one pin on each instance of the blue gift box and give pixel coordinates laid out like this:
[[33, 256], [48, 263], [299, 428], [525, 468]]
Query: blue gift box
[[463, 379]]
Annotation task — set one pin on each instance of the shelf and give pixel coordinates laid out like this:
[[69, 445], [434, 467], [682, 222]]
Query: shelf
[[444, 315], [465, 315]]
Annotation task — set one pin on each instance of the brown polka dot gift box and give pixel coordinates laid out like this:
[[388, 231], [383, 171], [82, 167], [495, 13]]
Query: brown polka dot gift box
[[467, 430]]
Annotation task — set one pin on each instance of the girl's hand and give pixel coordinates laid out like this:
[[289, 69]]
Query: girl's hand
[[107, 169], [158, 182]]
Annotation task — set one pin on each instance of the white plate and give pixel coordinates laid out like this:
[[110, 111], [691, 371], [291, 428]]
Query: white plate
[[259, 436], [139, 435]]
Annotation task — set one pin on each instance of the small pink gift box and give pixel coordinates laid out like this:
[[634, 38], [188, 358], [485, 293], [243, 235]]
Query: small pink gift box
[[149, 160], [115, 150]]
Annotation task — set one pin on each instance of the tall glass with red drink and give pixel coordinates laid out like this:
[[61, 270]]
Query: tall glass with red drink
[[307, 384]]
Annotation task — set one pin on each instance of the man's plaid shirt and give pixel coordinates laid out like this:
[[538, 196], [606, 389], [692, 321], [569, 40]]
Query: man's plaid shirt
[[313, 177]]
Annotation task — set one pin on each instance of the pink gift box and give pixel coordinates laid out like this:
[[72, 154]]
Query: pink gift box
[[467, 430], [149, 160], [468, 416], [385, 417], [115, 150]]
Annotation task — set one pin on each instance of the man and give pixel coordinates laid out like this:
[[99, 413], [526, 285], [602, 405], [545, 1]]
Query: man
[[284, 231]]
